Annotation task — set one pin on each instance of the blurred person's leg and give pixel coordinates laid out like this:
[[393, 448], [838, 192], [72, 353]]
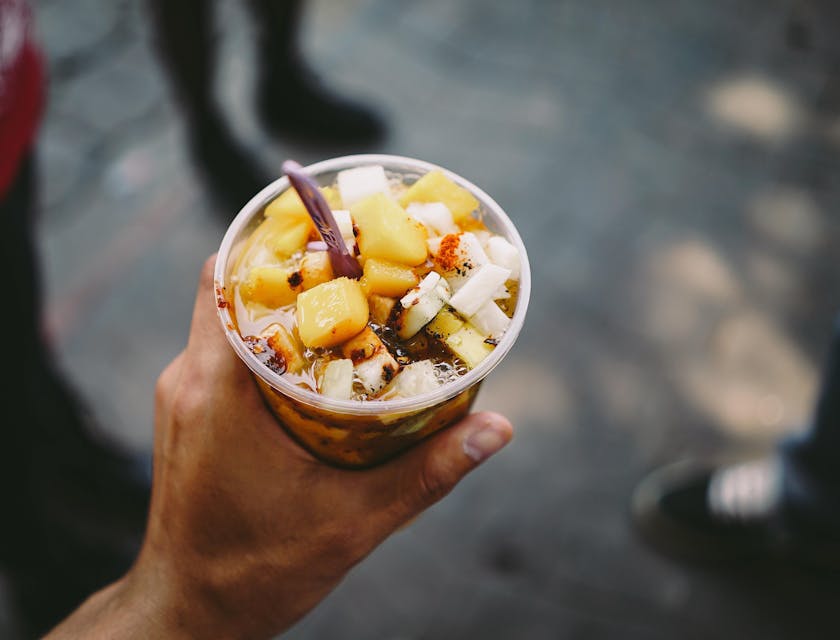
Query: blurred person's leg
[[186, 41], [74, 504], [811, 462], [291, 99], [785, 505]]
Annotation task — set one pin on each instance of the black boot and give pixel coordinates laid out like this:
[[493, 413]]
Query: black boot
[[229, 170], [294, 104], [292, 101], [186, 43]]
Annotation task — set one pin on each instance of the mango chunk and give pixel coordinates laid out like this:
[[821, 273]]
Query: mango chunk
[[283, 342], [381, 308], [469, 345], [331, 313], [288, 205], [436, 187], [270, 286], [445, 323], [362, 346], [388, 278], [387, 232]]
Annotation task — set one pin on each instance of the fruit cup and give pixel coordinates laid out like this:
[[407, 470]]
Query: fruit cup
[[363, 433]]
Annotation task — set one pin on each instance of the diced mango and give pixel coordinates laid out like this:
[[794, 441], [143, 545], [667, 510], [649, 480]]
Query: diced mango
[[331, 313], [315, 269], [445, 323], [362, 346], [283, 342], [387, 232], [271, 286], [436, 187], [288, 204], [388, 278], [381, 308], [281, 237], [469, 345]]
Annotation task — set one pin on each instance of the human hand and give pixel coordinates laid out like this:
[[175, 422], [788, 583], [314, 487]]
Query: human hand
[[248, 532]]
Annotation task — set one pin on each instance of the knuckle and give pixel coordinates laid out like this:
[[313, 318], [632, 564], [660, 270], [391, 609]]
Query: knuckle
[[187, 404]]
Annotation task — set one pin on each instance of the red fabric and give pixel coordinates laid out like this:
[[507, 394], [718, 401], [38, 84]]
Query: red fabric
[[22, 91]]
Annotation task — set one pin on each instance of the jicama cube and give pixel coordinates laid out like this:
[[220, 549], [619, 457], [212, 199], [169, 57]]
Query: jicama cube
[[360, 182], [376, 372], [345, 225], [504, 254], [421, 304], [414, 379], [375, 367], [479, 289], [490, 320], [337, 380], [458, 256], [435, 216], [331, 313]]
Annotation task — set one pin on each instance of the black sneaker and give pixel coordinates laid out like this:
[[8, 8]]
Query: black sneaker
[[294, 104], [725, 514]]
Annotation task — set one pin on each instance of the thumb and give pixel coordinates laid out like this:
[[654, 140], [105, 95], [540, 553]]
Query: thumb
[[417, 479]]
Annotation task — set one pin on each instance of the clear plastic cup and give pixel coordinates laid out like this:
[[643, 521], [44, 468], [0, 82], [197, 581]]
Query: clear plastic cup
[[363, 433]]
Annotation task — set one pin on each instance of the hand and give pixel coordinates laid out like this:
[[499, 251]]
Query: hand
[[248, 532]]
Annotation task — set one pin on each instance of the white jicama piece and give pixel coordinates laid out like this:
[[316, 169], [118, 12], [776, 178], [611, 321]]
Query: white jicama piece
[[360, 182], [436, 216], [375, 367], [414, 379], [345, 225], [337, 380], [377, 371], [421, 304], [434, 245], [479, 289], [503, 253], [483, 237], [467, 256], [490, 320]]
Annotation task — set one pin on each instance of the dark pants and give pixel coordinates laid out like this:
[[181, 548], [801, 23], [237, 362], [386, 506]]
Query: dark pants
[[23, 350], [811, 461], [74, 505]]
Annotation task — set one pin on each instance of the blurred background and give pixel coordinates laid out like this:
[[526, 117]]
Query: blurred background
[[674, 170]]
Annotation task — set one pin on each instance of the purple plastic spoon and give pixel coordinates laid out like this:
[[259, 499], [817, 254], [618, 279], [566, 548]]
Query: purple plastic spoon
[[343, 263]]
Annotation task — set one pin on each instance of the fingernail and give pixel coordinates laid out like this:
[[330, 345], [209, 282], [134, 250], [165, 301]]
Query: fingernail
[[483, 443]]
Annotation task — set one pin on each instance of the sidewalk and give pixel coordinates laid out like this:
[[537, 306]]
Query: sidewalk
[[673, 172]]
